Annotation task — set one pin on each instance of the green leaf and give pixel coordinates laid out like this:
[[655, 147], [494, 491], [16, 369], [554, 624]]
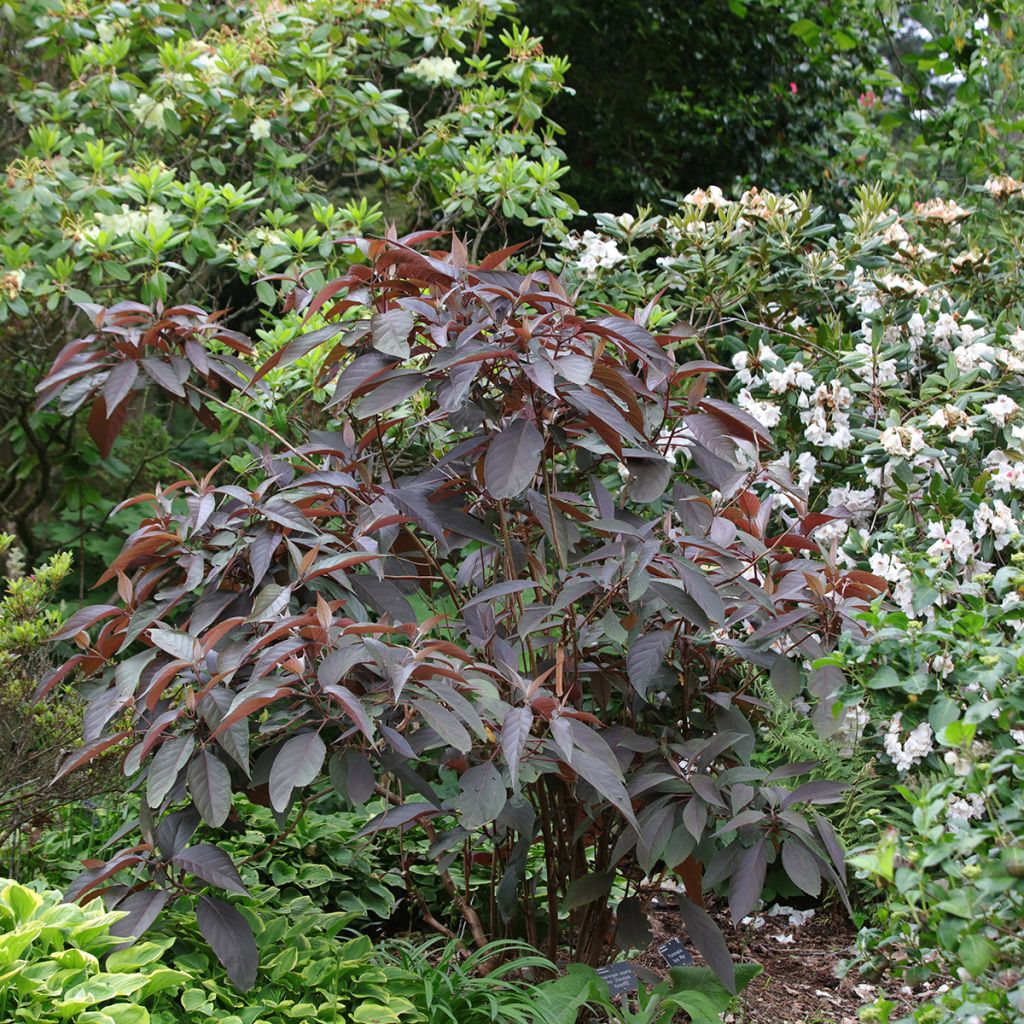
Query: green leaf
[[588, 888], [977, 952], [806, 30]]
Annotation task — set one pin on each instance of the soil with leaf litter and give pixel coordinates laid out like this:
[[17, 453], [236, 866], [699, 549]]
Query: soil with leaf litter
[[799, 984]]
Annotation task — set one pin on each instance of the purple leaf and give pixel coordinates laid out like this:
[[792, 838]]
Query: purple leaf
[[707, 937], [512, 459], [165, 376], [646, 656], [297, 764], [801, 866], [119, 383], [785, 677], [178, 645], [231, 938], [392, 391], [390, 332], [747, 881], [397, 817], [353, 707], [588, 888], [515, 732], [165, 767], [83, 619], [211, 864], [209, 782], [176, 830], [820, 791], [142, 908]]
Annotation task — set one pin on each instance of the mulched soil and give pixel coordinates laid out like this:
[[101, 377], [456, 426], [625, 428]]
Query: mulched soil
[[799, 984]]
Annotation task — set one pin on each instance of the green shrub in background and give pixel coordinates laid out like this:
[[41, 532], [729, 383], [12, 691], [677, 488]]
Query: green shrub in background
[[34, 734], [166, 151], [942, 107], [311, 971], [668, 96], [955, 896]]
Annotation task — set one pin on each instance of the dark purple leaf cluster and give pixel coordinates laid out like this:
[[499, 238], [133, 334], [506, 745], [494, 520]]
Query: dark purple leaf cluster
[[492, 555]]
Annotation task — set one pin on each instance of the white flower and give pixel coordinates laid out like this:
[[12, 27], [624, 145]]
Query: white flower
[[126, 223], [1002, 409], [961, 761], [916, 327], [150, 112], [968, 258], [901, 283], [11, 282], [902, 441], [872, 369], [260, 129], [918, 744], [942, 665], [1007, 474], [825, 417], [1001, 186], [435, 70], [711, 196], [792, 376], [594, 251], [766, 204], [953, 541], [945, 210], [895, 234], [851, 729], [859, 503], [960, 810], [889, 567], [974, 356], [946, 328], [766, 413], [864, 292], [997, 519]]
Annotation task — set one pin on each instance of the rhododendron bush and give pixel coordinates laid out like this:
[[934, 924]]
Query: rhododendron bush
[[884, 349], [159, 149]]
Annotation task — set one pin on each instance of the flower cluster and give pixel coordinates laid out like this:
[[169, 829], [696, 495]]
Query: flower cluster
[[594, 252], [435, 70], [905, 753]]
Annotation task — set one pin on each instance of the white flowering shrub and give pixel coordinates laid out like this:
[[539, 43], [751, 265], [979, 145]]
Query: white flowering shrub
[[885, 351]]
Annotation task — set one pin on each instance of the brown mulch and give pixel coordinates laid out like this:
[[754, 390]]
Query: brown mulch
[[799, 983]]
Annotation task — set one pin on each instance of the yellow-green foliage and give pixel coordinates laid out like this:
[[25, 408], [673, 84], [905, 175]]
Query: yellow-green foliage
[[34, 735]]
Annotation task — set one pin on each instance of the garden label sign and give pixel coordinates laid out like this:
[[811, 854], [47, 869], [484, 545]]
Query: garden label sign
[[620, 978], [675, 954]]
